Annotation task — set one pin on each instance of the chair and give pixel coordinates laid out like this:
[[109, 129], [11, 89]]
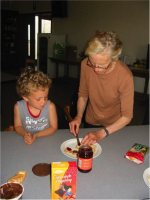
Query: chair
[[10, 128], [63, 122], [71, 111], [30, 64], [67, 112]]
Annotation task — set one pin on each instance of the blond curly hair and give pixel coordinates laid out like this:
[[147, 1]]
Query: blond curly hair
[[105, 42], [32, 81]]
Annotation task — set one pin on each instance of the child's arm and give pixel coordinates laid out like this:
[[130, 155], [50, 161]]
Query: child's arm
[[19, 128], [17, 121], [53, 123]]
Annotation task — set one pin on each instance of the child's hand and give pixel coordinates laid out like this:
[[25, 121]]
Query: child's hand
[[34, 137], [28, 138]]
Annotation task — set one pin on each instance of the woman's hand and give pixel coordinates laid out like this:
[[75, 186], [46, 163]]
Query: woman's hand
[[93, 137], [74, 125]]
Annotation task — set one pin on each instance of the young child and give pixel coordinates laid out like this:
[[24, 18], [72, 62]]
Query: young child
[[34, 116]]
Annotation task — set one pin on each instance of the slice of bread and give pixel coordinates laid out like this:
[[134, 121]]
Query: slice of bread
[[19, 177]]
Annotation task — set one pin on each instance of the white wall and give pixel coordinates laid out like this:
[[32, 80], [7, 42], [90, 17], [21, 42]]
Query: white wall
[[130, 20]]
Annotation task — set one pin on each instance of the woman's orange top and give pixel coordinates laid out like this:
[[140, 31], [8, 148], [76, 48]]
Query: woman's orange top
[[110, 95]]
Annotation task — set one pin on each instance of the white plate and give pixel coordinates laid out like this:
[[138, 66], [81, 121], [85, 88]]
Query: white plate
[[72, 143], [145, 176]]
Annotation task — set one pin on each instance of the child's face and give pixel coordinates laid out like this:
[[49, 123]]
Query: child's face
[[37, 100]]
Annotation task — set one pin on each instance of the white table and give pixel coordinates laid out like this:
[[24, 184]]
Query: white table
[[112, 176]]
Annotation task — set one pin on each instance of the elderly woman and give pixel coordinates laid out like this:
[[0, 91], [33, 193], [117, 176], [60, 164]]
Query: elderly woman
[[106, 87]]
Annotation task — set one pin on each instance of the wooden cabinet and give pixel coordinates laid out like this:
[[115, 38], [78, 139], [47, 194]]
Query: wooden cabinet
[[9, 38]]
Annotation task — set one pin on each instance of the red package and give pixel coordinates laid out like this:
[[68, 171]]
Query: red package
[[137, 153], [63, 180]]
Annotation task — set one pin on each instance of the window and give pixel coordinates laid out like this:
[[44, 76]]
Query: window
[[36, 32], [42, 25], [45, 26], [28, 39]]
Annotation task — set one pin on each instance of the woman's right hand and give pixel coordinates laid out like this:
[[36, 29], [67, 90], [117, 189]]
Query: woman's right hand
[[74, 125]]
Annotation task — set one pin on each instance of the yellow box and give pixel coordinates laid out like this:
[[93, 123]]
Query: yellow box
[[63, 180]]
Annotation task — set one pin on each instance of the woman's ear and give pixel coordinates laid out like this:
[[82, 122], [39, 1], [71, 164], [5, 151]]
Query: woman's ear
[[25, 98]]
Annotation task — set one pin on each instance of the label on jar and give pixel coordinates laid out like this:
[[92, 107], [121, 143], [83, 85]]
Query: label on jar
[[85, 164]]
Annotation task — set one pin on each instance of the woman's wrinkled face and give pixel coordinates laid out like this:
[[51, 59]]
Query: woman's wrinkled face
[[99, 62]]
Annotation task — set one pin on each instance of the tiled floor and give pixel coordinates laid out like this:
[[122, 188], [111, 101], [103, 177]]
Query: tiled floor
[[60, 93]]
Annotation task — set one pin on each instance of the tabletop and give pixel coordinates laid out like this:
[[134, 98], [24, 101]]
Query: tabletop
[[112, 176]]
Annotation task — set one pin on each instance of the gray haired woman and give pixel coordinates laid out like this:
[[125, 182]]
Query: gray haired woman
[[106, 88]]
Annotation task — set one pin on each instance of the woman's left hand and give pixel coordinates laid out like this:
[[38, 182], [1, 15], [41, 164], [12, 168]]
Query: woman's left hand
[[93, 137]]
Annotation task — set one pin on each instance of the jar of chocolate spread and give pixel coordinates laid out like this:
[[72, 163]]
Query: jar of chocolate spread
[[85, 158]]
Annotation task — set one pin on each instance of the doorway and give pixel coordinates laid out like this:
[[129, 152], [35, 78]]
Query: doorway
[[29, 27], [43, 44], [26, 38]]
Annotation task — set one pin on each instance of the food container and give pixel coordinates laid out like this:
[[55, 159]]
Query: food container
[[63, 180], [85, 158], [11, 191]]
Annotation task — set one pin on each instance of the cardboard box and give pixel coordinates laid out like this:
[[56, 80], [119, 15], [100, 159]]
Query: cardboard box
[[59, 50], [63, 180]]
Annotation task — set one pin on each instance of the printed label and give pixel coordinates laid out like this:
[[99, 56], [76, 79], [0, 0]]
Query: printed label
[[85, 164], [63, 180]]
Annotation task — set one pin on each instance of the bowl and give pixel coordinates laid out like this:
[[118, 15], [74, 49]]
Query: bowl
[[11, 191]]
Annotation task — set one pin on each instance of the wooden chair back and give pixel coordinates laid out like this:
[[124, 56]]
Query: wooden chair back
[[10, 128], [67, 111], [30, 64]]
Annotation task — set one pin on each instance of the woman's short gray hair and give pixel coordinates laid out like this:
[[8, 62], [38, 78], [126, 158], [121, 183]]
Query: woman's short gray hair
[[105, 42]]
